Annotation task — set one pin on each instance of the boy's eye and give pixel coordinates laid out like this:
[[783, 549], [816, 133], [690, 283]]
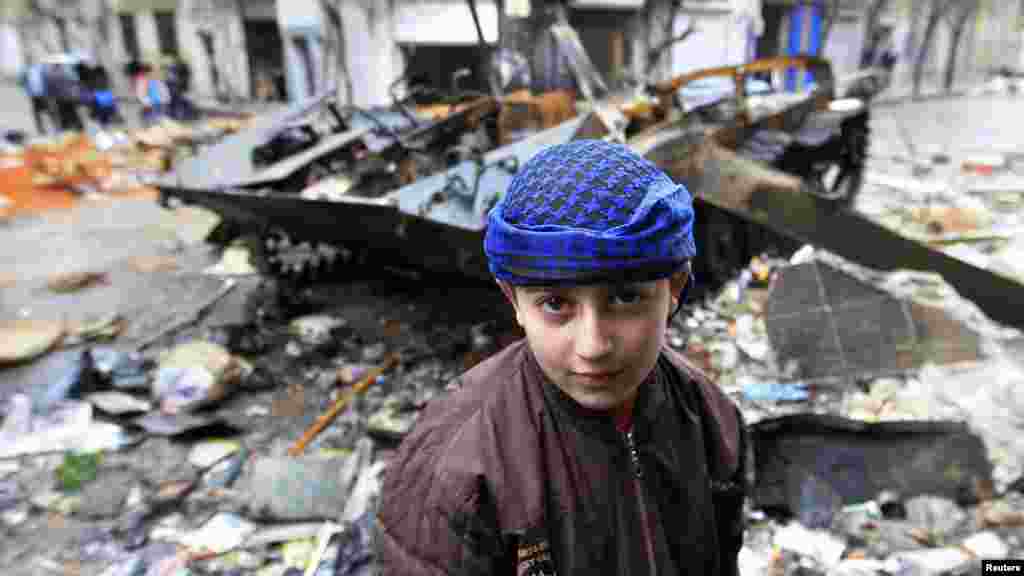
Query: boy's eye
[[552, 304], [626, 296]]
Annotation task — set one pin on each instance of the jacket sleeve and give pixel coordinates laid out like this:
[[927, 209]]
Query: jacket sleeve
[[729, 507], [434, 520]]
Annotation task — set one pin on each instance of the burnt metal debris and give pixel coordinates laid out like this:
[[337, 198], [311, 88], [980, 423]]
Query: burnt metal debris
[[767, 167], [811, 465]]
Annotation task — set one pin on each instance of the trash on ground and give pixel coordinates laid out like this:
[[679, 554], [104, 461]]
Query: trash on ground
[[819, 545], [315, 330], [340, 405], [323, 539], [126, 370], [355, 545], [937, 518], [194, 375], [210, 452], [390, 424], [192, 224], [365, 494], [224, 473], [153, 263], [220, 534], [161, 424], [775, 391], [68, 426], [930, 562], [235, 261], [75, 281], [266, 535], [351, 373], [987, 545], [77, 469], [96, 327], [22, 340], [118, 403], [298, 553]]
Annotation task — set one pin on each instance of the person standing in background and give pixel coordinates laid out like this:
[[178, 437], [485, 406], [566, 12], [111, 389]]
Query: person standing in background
[[34, 82], [140, 75]]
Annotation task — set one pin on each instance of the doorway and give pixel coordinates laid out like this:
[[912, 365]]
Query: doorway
[[266, 64]]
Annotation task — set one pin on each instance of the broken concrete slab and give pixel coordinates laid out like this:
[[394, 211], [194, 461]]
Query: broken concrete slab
[[106, 496], [836, 326], [303, 488], [854, 461], [159, 459]]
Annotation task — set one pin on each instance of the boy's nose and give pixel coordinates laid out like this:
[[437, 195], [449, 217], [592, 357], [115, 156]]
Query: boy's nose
[[593, 339]]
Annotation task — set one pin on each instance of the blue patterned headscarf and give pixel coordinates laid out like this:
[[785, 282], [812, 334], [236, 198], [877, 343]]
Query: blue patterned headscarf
[[589, 211]]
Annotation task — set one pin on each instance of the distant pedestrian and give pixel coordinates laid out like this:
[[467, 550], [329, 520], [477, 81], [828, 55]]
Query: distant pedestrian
[[142, 74], [178, 82], [100, 97], [62, 84], [34, 82], [159, 96]]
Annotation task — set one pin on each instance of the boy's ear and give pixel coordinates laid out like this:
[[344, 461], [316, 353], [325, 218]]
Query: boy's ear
[[677, 282], [510, 294]]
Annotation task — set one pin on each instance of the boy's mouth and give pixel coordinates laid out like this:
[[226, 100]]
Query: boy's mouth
[[597, 377]]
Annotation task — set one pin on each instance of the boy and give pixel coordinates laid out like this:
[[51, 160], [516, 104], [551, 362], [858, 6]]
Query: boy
[[590, 447]]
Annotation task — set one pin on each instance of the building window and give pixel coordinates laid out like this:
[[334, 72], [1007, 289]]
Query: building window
[[441, 69], [131, 39], [167, 32]]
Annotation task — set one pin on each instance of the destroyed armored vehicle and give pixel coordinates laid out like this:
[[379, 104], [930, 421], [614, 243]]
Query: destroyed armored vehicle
[[435, 219], [378, 149]]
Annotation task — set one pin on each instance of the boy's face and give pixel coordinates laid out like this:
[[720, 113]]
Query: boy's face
[[596, 343]]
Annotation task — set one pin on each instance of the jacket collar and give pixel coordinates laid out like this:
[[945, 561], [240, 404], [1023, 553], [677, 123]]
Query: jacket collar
[[650, 397]]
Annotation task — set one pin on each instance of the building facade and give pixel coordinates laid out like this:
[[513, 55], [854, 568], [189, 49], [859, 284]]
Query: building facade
[[272, 49]]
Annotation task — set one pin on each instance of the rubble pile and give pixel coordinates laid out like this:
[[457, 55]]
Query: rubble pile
[[204, 453], [105, 162], [885, 412]]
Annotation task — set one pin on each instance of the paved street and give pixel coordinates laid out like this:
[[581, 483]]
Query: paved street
[[953, 126], [15, 111]]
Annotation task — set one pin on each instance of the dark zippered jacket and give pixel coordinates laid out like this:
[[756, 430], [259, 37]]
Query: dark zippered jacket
[[508, 475]]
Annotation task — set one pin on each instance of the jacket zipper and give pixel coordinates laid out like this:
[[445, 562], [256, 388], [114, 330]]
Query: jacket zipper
[[645, 527]]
